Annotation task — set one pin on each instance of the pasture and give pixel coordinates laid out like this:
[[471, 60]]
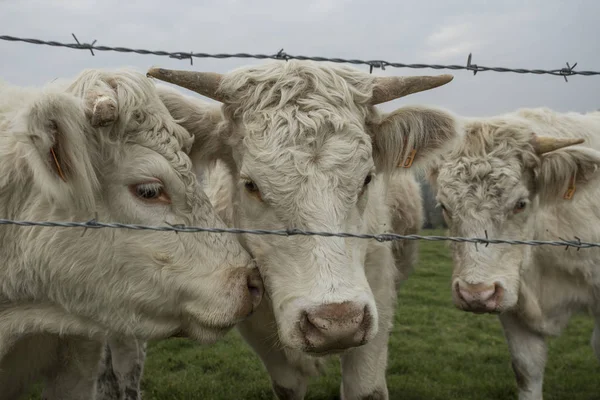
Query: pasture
[[436, 352]]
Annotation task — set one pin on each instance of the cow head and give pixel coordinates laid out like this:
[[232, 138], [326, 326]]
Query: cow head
[[308, 150], [496, 183], [106, 145]]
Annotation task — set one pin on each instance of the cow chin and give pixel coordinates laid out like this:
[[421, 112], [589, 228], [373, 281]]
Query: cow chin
[[207, 328], [204, 334]]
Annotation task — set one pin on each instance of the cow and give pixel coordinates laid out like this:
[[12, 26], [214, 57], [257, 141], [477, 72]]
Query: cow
[[103, 147], [522, 176], [307, 149]]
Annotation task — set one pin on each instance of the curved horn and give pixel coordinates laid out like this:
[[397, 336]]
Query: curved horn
[[545, 144], [393, 87], [204, 83]]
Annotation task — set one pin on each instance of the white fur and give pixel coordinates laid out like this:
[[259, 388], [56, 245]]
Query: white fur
[[480, 181], [64, 291], [306, 135]]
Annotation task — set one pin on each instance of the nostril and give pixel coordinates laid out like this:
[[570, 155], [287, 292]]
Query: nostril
[[457, 290], [498, 292], [306, 325], [255, 287], [366, 319], [254, 290]]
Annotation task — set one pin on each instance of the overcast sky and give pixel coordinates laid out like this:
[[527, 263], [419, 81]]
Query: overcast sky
[[527, 34]]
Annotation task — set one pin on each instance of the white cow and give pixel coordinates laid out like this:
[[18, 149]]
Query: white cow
[[308, 149], [512, 178], [103, 145]]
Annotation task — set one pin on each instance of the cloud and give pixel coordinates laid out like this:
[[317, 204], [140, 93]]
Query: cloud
[[512, 33]]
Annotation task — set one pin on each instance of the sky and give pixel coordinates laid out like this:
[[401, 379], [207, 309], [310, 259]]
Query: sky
[[541, 34]]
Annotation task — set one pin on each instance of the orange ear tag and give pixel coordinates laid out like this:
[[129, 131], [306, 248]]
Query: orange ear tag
[[57, 164], [571, 189], [410, 159]]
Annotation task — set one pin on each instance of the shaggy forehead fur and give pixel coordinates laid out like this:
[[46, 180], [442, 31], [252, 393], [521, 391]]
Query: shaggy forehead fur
[[143, 119], [301, 121], [489, 163], [495, 157]]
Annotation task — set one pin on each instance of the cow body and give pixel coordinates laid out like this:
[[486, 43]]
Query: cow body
[[103, 146], [306, 148], [508, 179]]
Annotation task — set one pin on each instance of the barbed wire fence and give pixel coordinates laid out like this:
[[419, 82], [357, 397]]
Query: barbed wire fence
[[569, 70], [381, 237], [282, 55]]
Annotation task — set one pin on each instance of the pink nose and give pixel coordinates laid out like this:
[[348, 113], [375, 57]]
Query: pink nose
[[479, 297], [335, 327]]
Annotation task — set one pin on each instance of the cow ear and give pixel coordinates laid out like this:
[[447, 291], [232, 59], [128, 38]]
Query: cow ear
[[563, 172], [202, 120], [60, 163], [411, 137]]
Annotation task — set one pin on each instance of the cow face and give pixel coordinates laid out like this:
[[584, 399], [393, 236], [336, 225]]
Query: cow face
[[107, 145], [496, 183], [308, 150]]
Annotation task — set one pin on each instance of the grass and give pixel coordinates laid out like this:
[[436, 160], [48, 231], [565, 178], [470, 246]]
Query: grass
[[436, 352]]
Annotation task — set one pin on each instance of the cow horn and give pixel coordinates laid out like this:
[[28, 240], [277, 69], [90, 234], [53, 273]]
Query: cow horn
[[393, 87], [545, 144], [204, 83]]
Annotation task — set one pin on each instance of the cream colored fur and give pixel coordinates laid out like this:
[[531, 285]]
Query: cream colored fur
[[480, 181], [63, 292], [305, 134]]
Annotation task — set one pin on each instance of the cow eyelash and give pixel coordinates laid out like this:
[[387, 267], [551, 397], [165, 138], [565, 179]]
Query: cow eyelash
[[443, 207], [368, 179], [150, 192]]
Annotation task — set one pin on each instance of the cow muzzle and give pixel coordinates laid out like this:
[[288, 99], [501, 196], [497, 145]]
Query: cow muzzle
[[335, 327], [253, 292], [478, 298]]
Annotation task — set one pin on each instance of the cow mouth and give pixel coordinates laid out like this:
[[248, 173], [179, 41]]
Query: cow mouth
[[204, 333], [333, 350], [475, 308], [328, 352], [478, 309]]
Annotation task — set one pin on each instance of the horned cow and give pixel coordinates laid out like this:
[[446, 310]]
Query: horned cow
[[306, 148], [104, 146], [520, 176]]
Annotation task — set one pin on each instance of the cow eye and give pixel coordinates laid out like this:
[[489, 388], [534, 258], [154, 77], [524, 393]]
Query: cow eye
[[445, 211], [520, 206], [150, 192], [366, 182], [252, 188]]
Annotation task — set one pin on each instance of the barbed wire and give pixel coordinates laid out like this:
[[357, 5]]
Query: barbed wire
[[282, 55], [382, 237]]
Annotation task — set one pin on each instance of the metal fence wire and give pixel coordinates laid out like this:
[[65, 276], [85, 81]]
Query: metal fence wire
[[569, 70], [381, 237], [282, 55]]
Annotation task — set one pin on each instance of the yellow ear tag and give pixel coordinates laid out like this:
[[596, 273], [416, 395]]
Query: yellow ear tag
[[571, 189], [409, 160], [57, 164]]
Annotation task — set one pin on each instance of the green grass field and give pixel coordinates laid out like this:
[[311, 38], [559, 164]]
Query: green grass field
[[436, 352]]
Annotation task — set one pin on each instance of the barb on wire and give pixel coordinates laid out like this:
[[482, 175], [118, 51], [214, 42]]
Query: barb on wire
[[381, 237], [90, 47], [281, 55], [567, 71]]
